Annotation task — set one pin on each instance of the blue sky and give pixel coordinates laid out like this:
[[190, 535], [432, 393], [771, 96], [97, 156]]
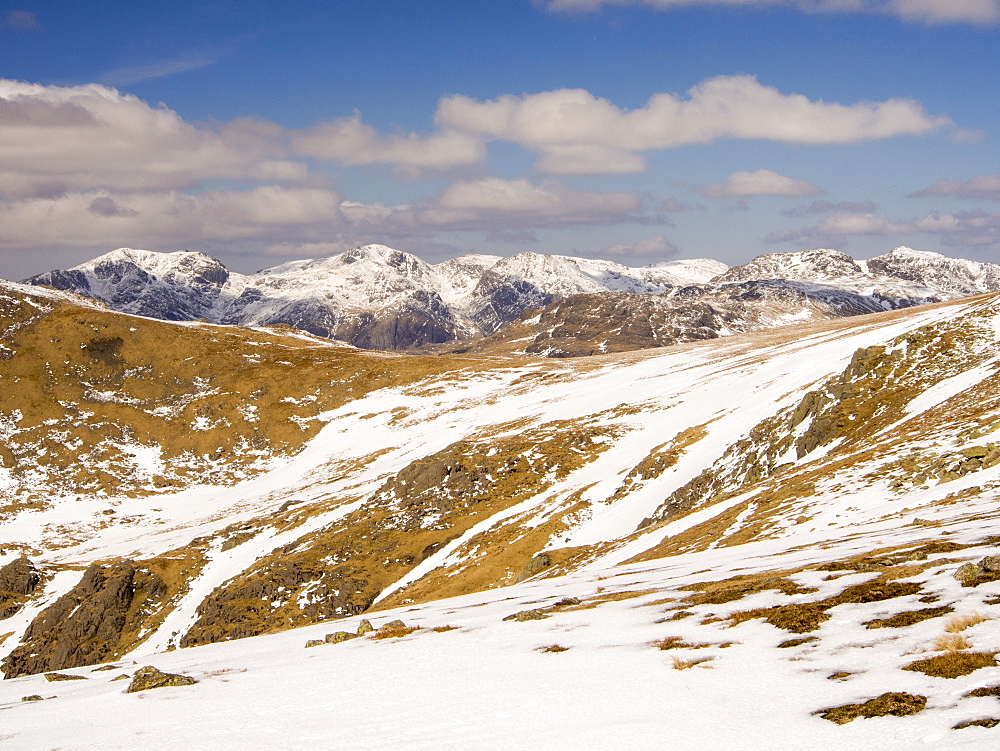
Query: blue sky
[[635, 130]]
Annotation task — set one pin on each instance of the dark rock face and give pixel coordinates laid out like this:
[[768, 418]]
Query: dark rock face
[[17, 579], [185, 291], [505, 298], [89, 624]]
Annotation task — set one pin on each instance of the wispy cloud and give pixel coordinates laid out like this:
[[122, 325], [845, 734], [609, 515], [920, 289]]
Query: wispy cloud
[[20, 19], [913, 11], [138, 73], [981, 186]]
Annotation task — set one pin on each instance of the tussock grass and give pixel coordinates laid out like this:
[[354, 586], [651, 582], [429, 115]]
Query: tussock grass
[[951, 643], [959, 623], [393, 633]]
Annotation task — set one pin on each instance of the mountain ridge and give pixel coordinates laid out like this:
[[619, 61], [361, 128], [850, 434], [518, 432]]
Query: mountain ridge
[[376, 297]]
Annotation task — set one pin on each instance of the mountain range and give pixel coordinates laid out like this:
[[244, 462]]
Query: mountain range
[[375, 297]]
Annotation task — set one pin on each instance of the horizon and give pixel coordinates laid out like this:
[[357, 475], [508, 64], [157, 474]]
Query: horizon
[[436, 263], [635, 131]]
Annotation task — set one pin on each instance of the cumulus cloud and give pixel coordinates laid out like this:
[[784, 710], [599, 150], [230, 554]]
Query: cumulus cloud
[[282, 219], [653, 247], [762, 182], [962, 229], [478, 203], [965, 229], [575, 132], [860, 224], [171, 218], [982, 187], [350, 141], [56, 139], [919, 11]]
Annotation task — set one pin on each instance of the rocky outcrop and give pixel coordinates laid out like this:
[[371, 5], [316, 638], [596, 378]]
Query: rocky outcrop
[[91, 623], [18, 580]]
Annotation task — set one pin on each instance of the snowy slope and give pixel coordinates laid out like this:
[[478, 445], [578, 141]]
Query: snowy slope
[[802, 484]]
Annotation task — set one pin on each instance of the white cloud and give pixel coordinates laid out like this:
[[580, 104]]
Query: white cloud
[[860, 224], [491, 200], [653, 247], [981, 186], [762, 182], [575, 132], [171, 218], [920, 11], [282, 220], [349, 141], [57, 139], [965, 228]]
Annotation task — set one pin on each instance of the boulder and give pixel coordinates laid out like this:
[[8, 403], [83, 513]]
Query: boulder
[[149, 677]]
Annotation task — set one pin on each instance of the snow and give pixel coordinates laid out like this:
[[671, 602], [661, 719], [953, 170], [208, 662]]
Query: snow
[[485, 685]]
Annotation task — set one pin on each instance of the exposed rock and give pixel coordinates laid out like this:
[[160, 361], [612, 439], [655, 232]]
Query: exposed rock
[[365, 627], [149, 677], [392, 625], [18, 579], [314, 643], [32, 697], [339, 636], [990, 564], [89, 624], [64, 677], [967, 573], [536, 565], [527, 615]]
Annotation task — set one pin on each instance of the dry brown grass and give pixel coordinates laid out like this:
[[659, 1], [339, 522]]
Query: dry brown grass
[[951, 643], [676, 642], [908, 618], [959, 623], [801, 617], [393, 633], [953, 664], [894, 703], [679, 664]]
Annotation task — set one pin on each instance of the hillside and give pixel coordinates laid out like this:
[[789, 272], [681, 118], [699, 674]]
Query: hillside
[[796, 514]]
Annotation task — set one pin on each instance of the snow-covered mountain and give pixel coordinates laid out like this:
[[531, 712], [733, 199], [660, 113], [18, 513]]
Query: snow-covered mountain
[[378, 298], [373, 297], [614, 550]]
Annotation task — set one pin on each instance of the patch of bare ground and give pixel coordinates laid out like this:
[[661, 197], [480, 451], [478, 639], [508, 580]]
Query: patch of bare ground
[[908, 617], [892, 703], [802, 617], [953, 664]]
